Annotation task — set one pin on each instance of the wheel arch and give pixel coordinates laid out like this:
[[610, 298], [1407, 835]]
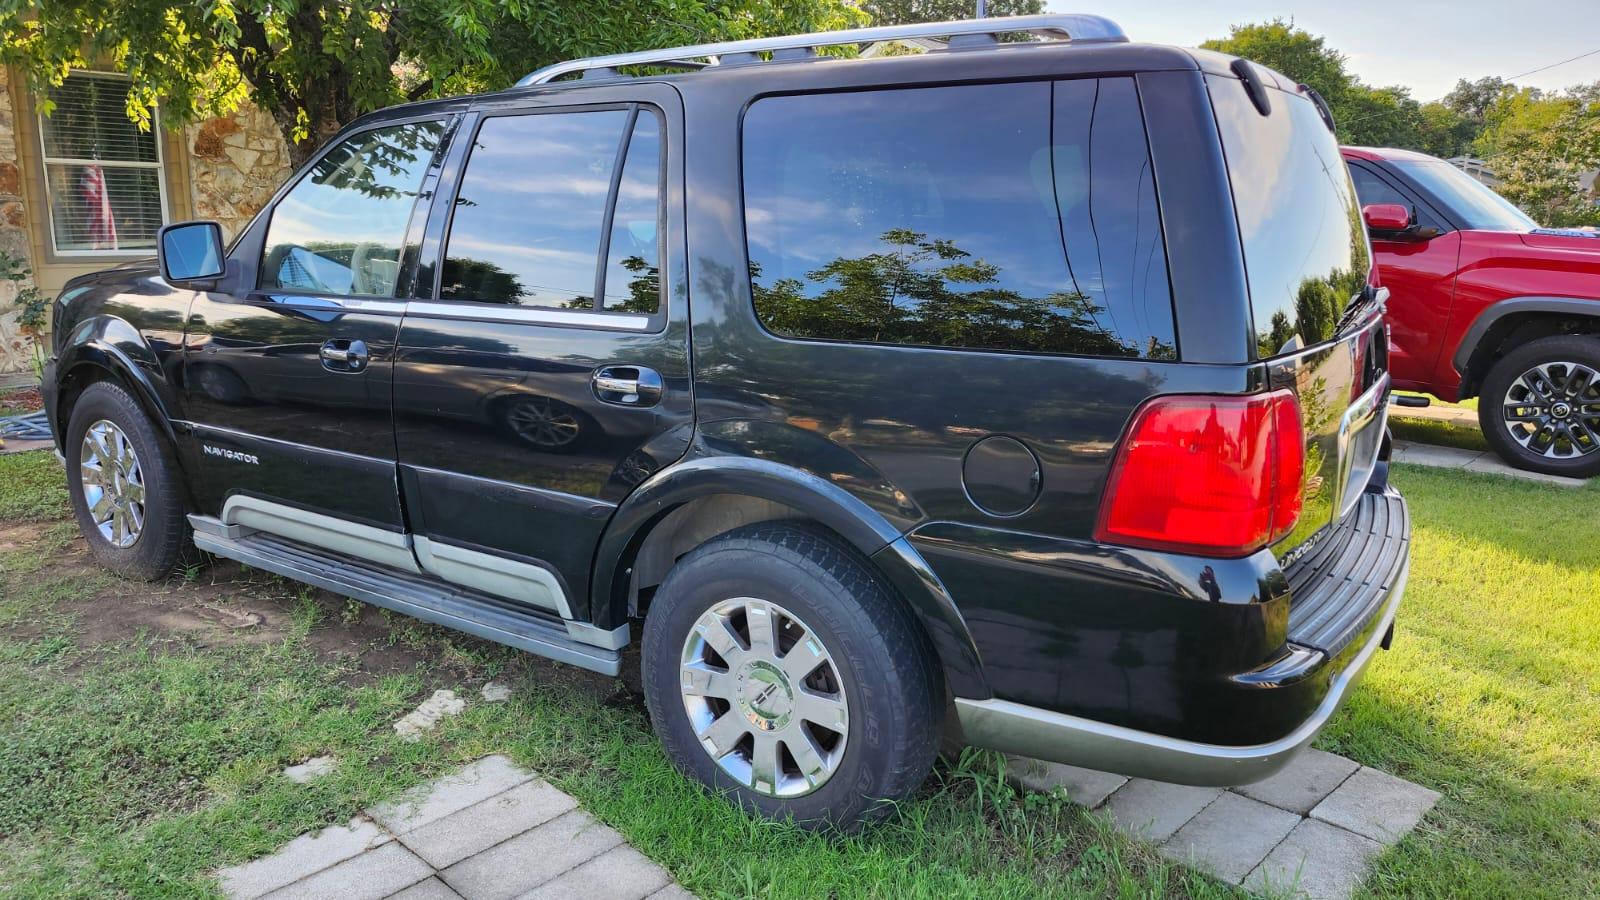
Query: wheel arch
[[108, 348], [684, 506], [1515, 321]]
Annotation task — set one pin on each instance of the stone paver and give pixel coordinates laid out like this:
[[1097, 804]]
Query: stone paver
[[1155, 810], [1317, 860], [19, 445], [1085, 787], [1455, 415], [1304, 782], [432, 889], [495, 692], [477, 782], [485, 832], [1376, 804], [621, 873], [424, 718], [1230, 837], [1471, 461], [311, 769], [447, 841], [304, 856], [1312, 830], [532, 858], [369, 876]]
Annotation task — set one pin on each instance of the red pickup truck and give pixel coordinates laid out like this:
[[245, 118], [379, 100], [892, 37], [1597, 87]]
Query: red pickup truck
[[1485, 303]]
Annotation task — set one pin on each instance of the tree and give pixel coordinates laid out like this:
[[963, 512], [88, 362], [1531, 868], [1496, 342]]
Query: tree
[[1541, 147], [901, 12], [1385, 116], [316, 64]]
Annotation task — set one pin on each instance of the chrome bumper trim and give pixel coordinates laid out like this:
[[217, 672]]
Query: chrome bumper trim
[[1058, 737]]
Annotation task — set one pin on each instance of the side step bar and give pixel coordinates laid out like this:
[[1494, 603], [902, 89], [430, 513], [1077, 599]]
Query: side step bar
[[417, 596]]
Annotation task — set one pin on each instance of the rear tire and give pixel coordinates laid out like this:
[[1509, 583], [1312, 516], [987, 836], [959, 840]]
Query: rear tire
[[124, 484], [1540, 406], [848, 697]]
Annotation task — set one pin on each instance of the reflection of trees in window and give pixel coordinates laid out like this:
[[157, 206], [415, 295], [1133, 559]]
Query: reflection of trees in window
[[644, 287], [481, 280], [931, 292], [372, 166], [1319, 303]]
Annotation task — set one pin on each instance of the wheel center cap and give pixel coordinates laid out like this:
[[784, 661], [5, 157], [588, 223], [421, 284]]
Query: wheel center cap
[[1561, 410], [765, 697]]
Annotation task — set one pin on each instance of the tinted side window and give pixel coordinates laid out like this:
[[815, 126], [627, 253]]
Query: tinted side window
[[528, 216], [339, 230], [952, 217], [633, 256]]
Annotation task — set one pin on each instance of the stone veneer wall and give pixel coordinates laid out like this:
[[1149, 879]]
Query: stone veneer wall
[[235, 165], [16, 352]]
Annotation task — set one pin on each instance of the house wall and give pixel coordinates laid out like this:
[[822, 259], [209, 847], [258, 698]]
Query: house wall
[[224, 169], [15, 349], [235, 165]]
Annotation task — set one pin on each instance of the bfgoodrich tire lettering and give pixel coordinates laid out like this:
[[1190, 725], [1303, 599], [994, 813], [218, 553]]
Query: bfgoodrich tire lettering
[[1540, 406], [883, 663], [163, 532]]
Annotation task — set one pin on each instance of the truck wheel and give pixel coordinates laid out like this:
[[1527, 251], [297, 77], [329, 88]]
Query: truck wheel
[[1540, 406], [779, 670], [124, 485]]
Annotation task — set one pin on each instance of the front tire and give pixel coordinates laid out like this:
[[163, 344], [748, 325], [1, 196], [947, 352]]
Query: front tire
[[124, 485], [779, 670], [1540, 406]]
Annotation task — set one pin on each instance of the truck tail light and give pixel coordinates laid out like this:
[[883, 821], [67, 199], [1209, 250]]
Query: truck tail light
[[1212, 476]]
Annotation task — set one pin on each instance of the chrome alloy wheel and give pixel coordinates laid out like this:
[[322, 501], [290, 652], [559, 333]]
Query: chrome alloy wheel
[[113, 483], [1553, 410], [764, 697]]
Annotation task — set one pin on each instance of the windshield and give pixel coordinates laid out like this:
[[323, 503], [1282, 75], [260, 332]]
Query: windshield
[[1467, 199], [1305, 250]]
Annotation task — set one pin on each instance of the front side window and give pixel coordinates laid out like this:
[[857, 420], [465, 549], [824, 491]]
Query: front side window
[[529, 226], [340, 230], [103, 180], [1475, 203], [1015, 217]]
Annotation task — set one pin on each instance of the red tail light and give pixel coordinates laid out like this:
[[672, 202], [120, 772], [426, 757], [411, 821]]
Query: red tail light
[[1214, 476]]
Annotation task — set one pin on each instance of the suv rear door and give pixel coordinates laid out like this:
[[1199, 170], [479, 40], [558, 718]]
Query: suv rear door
[[526, 410], [287, 376]]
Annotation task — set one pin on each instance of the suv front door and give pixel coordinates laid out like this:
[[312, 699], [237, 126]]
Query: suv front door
[[546, 374], [288, 365]]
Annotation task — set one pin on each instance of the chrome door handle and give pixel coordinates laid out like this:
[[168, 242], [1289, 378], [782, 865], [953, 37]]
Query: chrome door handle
[[344, 356], [628, 385]]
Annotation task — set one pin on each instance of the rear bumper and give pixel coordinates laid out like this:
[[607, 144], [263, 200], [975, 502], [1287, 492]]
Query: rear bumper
[[1059, 737]]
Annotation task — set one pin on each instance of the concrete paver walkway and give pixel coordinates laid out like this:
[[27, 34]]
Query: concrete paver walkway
[[1312, 830], [490, 831], [1471, 461]]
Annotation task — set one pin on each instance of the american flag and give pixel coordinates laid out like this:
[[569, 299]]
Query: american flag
[[97, 203]]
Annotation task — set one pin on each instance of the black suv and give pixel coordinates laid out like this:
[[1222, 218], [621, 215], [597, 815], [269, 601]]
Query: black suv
[[1025, 393]]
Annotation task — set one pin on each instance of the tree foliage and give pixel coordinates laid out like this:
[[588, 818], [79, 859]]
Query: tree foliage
[[1543, 146], [902, 12], [316, 64]]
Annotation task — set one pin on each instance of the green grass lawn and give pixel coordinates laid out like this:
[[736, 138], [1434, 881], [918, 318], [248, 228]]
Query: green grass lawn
[[141, 736]]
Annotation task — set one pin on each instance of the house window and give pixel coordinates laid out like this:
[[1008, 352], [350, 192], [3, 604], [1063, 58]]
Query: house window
[[103, 176]]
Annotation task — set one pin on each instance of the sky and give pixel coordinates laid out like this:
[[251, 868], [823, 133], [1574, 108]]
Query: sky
[[1425, 45]]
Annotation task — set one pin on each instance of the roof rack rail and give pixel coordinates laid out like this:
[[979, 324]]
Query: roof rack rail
[[1081, 29]]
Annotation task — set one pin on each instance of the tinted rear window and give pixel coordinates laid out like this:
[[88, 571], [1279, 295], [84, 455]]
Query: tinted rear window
[[1305, 247], [959, 217]]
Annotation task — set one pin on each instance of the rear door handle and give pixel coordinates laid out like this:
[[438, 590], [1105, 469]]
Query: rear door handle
[[628, 385], [344, 356]]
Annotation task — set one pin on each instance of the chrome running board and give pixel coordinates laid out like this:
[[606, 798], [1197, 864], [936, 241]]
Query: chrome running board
[[415, 595]]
